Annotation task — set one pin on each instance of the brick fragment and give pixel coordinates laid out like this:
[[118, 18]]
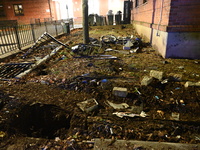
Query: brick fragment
[[119, 91]]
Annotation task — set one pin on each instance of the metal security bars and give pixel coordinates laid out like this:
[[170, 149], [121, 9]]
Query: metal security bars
[[14, 38]]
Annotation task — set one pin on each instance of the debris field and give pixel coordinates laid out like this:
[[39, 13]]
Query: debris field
[[117, 87]]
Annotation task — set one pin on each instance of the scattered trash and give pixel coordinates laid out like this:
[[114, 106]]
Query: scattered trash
[[129, 114], [181, 67], [136, 90], [88, 105], [119, 91], [57, 139], [128, 45], [160, 113], [182, 102], [156, 74], [134, 50], [108, 39], [118, 106], [2, 134], [165, 81], [175, 116]]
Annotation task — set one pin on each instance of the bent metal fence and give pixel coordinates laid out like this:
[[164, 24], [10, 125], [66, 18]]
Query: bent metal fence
[[18, 37]]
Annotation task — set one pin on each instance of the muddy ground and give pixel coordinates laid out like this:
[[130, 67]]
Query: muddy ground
[[40, 110]]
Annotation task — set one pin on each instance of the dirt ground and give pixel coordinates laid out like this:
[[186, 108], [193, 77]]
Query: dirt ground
[[40, 110]]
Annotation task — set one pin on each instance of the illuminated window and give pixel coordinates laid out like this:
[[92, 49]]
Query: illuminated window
[[18, 9], [2, 13]]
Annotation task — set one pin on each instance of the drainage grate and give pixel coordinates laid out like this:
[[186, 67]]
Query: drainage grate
[[13, 69]]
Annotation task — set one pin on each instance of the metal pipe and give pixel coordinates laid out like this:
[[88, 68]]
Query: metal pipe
[[161, 11], [50, 8]]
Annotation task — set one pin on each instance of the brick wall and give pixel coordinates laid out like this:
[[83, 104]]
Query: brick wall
[[77, 7], [32, 9], [177, 15], [149, 13], [184, 15]]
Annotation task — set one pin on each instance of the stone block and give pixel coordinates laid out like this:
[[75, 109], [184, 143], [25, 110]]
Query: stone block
[[146, 80], [119, 91], [189, 83], [156, 74]]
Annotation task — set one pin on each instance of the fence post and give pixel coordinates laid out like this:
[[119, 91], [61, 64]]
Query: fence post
[[56, 28], [17, 37], [45, 24], [33, 33]]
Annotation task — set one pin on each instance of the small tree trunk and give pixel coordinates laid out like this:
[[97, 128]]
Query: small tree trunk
[[85, 22]]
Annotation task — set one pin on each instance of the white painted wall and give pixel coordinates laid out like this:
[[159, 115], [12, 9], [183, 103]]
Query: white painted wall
[[93, 7]]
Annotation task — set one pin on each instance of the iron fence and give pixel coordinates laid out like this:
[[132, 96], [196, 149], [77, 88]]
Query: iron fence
[[17, 37]]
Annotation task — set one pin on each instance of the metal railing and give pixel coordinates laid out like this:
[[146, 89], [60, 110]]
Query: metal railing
[[14, 38]]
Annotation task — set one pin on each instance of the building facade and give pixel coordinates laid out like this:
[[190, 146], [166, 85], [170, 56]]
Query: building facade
[[27, 11], [171, 26]]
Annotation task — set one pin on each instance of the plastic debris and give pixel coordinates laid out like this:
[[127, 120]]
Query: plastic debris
[[129, 114], [118, 106], [128, 45], [136, 90], [164, 81]]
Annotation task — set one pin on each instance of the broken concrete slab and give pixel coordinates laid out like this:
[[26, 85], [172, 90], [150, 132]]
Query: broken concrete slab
[[118, 106], [119, 91], [88, 105], [156, 74], [109, 144], [146, 80]]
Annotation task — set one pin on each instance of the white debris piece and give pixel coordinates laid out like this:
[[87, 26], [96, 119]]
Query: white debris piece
[[118, 106], [129, 114]]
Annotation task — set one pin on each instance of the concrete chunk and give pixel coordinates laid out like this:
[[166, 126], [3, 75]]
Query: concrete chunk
[[156, 74], [189, 83], [146, 80], [119, 91]]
